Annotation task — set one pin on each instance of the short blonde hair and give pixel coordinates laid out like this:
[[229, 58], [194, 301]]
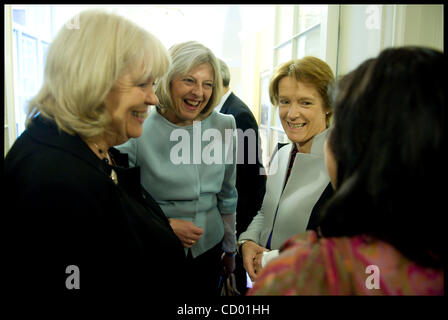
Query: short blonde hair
[[83, 64], [310, 70], [185, 57]]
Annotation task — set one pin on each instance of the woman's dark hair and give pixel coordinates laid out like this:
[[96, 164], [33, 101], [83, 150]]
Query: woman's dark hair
[[387, 138]]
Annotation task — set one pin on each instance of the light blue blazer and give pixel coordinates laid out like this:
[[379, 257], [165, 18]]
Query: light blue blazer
[[184, 169]]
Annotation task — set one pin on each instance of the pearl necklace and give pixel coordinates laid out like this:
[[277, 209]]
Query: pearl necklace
[[113, 174]]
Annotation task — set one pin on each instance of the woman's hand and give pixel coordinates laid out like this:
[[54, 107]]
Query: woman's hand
[[252, 254], [257, 262], [186, 231]]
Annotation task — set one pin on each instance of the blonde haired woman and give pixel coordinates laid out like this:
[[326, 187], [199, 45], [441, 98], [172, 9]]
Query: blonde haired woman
[[299, 185], [82, 220], [197, 195]]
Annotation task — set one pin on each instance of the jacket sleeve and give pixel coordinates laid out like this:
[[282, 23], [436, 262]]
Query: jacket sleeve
[[57, 225], [228, 196], [253, 232], [255, 228]]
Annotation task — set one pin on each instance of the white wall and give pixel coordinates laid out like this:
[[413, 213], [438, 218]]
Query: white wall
[[424, 25], [360, 35], [365, 30], [257, 40], [330, 35], [9, 120]]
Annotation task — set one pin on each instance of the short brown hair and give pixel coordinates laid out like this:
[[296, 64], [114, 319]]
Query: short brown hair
[[310, 70]]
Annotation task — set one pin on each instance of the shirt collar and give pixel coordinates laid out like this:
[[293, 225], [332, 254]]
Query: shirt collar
[[223, 100], [317, 147]]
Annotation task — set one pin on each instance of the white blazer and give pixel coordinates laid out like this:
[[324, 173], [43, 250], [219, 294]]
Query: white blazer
[[307, 182]]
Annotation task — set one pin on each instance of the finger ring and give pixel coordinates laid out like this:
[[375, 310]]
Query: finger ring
[[192, 242]]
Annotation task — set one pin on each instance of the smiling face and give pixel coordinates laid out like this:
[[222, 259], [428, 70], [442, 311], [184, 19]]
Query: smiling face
[[190, 94], [301, 112], [128, 104]]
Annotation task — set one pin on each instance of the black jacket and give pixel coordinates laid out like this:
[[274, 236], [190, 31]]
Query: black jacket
[[250, 177], [69, 212]]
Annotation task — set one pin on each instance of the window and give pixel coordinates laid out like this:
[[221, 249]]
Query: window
[[31, 28], [309, 43], [30, 42], [284, 53], [285, 23], [298, 33], [265, 117]]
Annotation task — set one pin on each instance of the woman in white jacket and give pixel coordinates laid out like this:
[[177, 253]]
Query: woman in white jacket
[[298, 182]]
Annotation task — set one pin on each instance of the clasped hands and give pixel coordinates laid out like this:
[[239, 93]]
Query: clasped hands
[[252, 258]]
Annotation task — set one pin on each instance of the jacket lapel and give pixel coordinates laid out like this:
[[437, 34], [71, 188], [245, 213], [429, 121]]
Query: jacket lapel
[[225, 107], [276, 179], [46, 132]]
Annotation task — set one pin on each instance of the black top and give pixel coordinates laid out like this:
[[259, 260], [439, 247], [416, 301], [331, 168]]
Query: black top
[[68, 211], [250, 176]]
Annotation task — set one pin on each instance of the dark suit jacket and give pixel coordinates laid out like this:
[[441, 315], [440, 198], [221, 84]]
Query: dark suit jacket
[[250, 177], [69, 212]]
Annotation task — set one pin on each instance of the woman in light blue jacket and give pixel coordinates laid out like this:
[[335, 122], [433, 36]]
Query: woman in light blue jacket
[[187, 156]]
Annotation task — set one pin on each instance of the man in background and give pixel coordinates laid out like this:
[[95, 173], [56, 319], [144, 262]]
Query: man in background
[[250, 174]]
